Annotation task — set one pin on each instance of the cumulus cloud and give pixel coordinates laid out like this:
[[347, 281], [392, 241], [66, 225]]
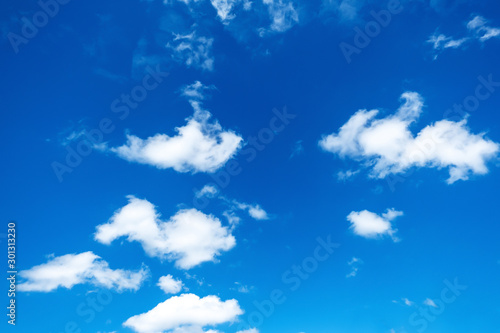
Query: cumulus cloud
[[169, 285], [388, 146], [370, 225], [71, 269], [478, 29], [252, 330], [186, 313], [190, 237], [199, 146]]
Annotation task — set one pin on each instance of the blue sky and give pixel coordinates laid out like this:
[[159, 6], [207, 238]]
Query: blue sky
[[252, 166]]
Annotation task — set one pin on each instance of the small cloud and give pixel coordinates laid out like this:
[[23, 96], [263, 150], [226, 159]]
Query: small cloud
[[407, 301], [169, 285], [242, 288], [298, 149], [342, 176], [208, 191], [430, 302], [354, 264], [370, 225]]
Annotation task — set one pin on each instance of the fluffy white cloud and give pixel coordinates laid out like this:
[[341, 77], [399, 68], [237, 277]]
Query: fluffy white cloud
[[186, 313], [169, 285], [478, 29], [189, 237], [388, 146], [283, 14], [193, 50], [199, 146], [72, 269], [371, 225]]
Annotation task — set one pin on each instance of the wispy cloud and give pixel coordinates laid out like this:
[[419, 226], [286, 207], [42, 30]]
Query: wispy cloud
[[478, 29]]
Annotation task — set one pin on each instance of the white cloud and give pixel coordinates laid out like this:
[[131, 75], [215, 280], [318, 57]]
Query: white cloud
[[189, 237], [186, 313], [354, 264], [478, 29], [430, 302], [370, 225], [388, 146], [252, 330], [208, 191], [224, 8], [440, 42], [345, 175], [195, 51], [199, 146], [407, 302], [255, 211], [169, 285], [347, 10], [71, 269], [195, 91], [282, 13]]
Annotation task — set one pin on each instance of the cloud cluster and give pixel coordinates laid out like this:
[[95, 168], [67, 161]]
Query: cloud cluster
[[199, 146], [478, 29], [370, 225], [71, 269], [388, 146], [195, 51], [189, 237], [187, 313]]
